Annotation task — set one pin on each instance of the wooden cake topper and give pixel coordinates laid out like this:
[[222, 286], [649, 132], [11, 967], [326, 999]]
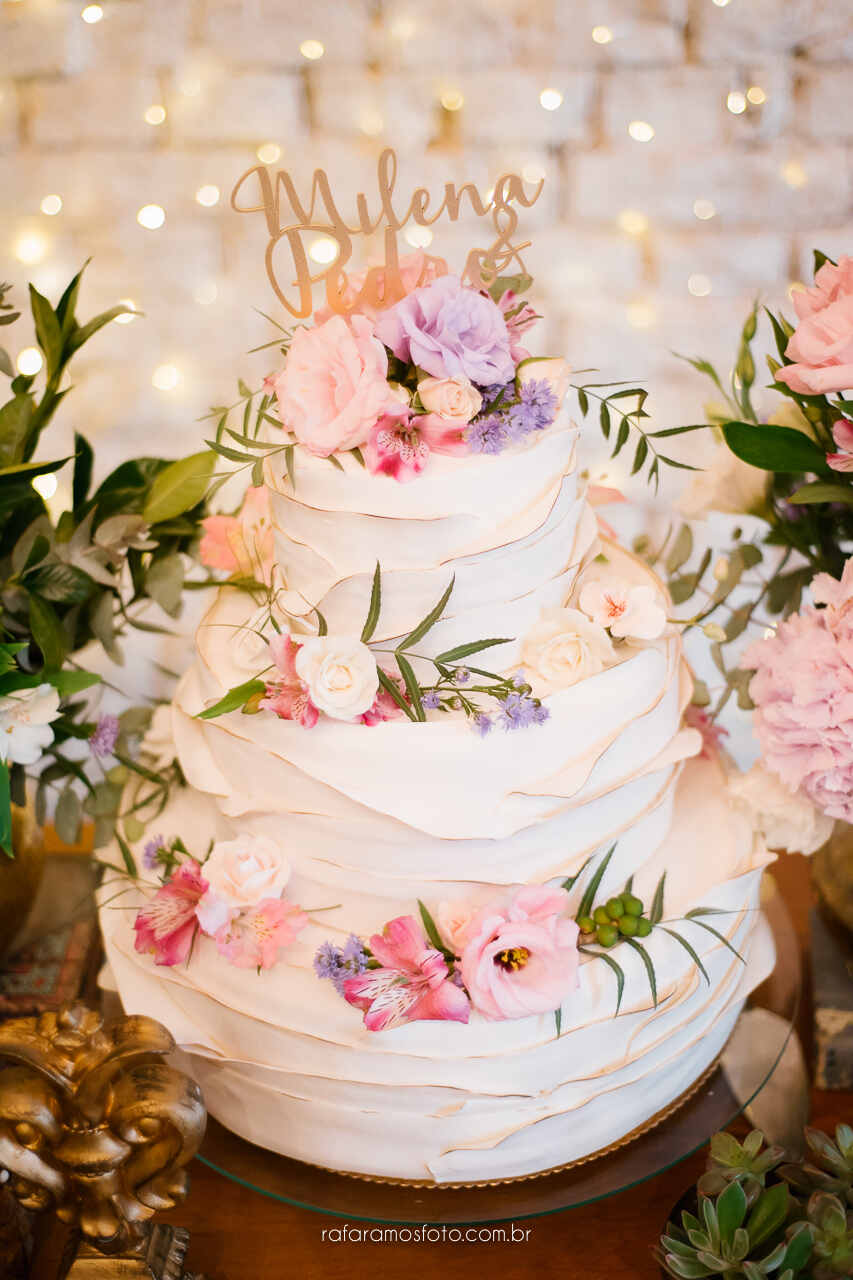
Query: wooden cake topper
[[288, 220]]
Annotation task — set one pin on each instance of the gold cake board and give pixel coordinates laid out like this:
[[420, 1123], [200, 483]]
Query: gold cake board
[[651, 1123]]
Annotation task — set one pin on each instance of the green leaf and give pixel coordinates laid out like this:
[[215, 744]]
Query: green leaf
[[39, 547], [583, 401], [47, 632], [768, 1215], [233, 455], [820, 258], [336, 462], [774, 448], [585, 907], [67, 305], [86, 331], [429, 621], [47, 330], [62, 582], [517, 284], [6, 365], [233, 699], [412, 687], [604, 419], [68, 816], [694, 916], [5, 812], [127, 856], [83, 459], [431, 930], [679, 431], [179, 487], [621, 437], [570, 881], [67, 683], [656, 909], [27, 470], [647, 963], [731, 1210], [15, 418], [358, 455], [640, 455], [822, 491], [391, 689], [558, 1020], [374, 607], [682, 549], [691, 951], [288, 458], [164, 582], [617, 969], [472, 647]]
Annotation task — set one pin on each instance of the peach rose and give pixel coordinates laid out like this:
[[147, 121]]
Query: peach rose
[[822, 344], [454, 399], [334, 386]]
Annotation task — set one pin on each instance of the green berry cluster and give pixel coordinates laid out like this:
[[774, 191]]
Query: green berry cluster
[[621, 917]]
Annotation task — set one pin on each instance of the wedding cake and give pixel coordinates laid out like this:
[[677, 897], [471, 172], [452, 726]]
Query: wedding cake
[[451, 890]]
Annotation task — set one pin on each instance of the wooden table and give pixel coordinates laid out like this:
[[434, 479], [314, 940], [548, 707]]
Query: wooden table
[[238, 1234]]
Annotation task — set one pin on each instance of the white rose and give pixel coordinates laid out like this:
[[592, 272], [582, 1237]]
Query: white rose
[[787, 819], [399, 392], [240, 873], [727, 485], [552, 369], [565, 646], [455, 399], [158, 745], [25, 718], [340, 673], [624, 608]]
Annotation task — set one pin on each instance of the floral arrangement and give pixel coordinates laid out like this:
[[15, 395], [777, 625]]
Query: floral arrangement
[[756, 1216], [512, 958], [76, 579], [234, 895]]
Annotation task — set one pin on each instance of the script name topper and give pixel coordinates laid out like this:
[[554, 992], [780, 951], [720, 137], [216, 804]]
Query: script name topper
[[278, 200]]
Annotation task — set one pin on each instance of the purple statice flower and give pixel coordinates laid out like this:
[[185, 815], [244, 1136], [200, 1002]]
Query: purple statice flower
[[519, 710], [151, 850], [482, 724], [487, 435], [432, 700], [461, 675], [536, 409], [339, 963], [103, 740]]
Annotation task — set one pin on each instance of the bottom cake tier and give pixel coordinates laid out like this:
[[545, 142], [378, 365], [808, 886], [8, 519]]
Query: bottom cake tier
[[288, 1065]]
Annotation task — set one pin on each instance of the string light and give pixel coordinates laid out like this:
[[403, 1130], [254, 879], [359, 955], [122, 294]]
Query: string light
[[30, 248], [418, 237], [370, 122], [704, 209], [602, 35], [756, 95], [633, 221], [51, 205], [92, 14], [551, 99], [45, 486], [208, 195], [151, 216], [736, 102], [206, 293], [323, 250], [165, 377], [155, 114], [127, 317], [721, 4], [641, 130], [699, 285], [268, 152], [794, 174], [312, 50], [452, 100], [29, 361], [640, 315]]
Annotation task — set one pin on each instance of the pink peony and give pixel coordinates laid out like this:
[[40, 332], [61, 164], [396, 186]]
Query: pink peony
[[822, 344], [400, 446], [253, 939], [244, 543], [803, 693], [412, 984], [711, 732], [416, 270], [167, 925], [288, 696], [519, 316], [521, 958], [334, 386], [842, 434]]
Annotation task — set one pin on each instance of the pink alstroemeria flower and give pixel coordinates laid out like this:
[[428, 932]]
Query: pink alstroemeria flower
[[166, 925], [253, 938], [842, 434], [243, 543], [413, 983], [384, 707], [400, 445], [288, 697], [517, 324]]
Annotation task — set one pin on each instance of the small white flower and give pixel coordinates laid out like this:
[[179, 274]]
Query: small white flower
[[563, 647], [25, 718], [240, 873], [340, 672], [787, 819], [626, 610]]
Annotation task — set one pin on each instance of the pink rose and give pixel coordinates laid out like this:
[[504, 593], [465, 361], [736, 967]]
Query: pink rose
[[521, 958], [334, 386], [822, 344], [842, 434]]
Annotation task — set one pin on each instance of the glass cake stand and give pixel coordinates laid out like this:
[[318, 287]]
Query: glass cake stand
[[711, 1107]]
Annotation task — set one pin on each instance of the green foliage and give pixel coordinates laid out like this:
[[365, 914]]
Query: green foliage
[[748, 1163], [621, 415]]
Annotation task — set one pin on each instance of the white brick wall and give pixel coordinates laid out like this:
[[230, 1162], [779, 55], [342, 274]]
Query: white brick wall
[[231, 76]]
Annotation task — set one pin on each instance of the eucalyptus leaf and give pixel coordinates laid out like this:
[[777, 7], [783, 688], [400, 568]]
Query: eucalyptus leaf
[[164, 582], [68, 816], [6, 365]]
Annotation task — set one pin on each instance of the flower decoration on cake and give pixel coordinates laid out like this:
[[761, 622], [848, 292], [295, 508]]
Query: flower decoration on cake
[[563, 647], [235, 897], [242, 545], [629, 611]]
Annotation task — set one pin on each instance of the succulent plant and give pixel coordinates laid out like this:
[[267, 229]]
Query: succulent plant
[[831, 1227], [830, 1167], [747, 1163]]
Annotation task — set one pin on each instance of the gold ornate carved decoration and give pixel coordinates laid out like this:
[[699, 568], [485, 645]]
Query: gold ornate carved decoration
[[289, 220], [94, 1124]]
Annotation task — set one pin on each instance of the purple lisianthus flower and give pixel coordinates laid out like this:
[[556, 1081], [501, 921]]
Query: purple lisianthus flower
[[103, 740], [432, 700], [487, 435], [450, 331]]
